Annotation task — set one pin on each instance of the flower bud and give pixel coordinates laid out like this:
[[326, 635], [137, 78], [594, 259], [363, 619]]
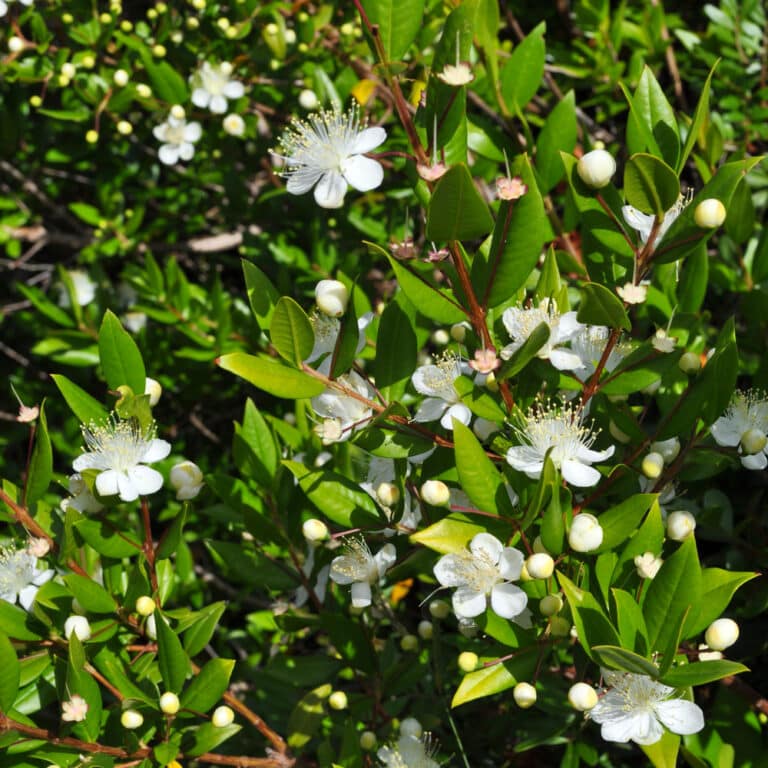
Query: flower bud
[[550, 605], [721, 634], [596, 168], [177, 112], [753, 441], [669, 449], [145, 605], [709, 213], [338, 700], [680, 525], [151, 627], [425, 630], [689, 363], [159, 51], [468, 661], [120, 78], [439, 609], [582, 697], [368, 740], [15, 44], [234, 125], [653, 465], [524, 695], [124, 128], [222, 717], [169, 703], [409, 643], [186, 479], [143, 90], [314, 530], [436, 493], [559, 626], [540, 565], [585, 534], [68, 69], [308, 99], [388, 494], [79, 626], [459, 332], [131, 719], [410, 726], [647, 565], [332, 297]]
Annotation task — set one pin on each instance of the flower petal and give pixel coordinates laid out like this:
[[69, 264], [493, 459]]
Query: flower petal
[[27, 596], [330, 190], [384, 558], [88, 461], [218, 105], [680, 716], [755, 461], [430, 409], [564, 360], [234, 89], [485, 545], [467, 603], [727, 432], [145, 480], [361, 594], [511, 563], [107, 483], [201, 97], [588, 455], [639, 727], [302, 181], [447, 570], [362, 172], [578, 474], [367, 140], [156, 451], [169, 154], [128, 491], [507, 600], [638, 220], [192, 132], [458, 411]]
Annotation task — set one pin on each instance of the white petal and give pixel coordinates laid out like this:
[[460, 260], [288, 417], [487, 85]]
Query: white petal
[[27, 596], [362, 172], [343, 571], [680, 716], [330, 190], [587, 454], [234, 89], [642, 222], [507, 600], [523, 458], [42, 576], [145, 479], [300, 182], [420, 379], [186, 151], [384, 558], [467, 603], [727, 432], [361, 594], [107, 483], [486, 545], [157, 450], [446, 571], [460, 412], [218, 105], [201, 97], [88, 461], [564, 360], [578, 474], [128, 492], [638, 727], [511, 563], [755, 461], [169, 154], [568, 326], [192, 132], [430, 409], [159, 131], [367, 140]]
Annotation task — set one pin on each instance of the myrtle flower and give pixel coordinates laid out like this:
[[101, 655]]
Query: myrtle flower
[[589, 344], [643, 222], [520, 324], [83, 287], [82, 499], [343, 413], [510, 188], [383, 472], [20, 577], [4, 5], [456, 74], [409, 752], [328, 153], [178, 139], [212, 87], [360, 568], [74, 710], [484, 570], [326, 330], [638, 708], [443, 402], [745, 424], [119, 450], [561, 430]]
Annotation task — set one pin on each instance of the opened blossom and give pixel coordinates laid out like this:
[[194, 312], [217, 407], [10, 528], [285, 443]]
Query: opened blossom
[[481, 573], [361, 569], [409, 752], [589, 343], [643, 222], [327, 152], [443, 401], [638, 708], [212, 87], [745, 424], [178, 139], [20, 576]]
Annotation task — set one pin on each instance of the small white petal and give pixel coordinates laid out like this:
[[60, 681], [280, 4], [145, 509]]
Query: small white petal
[[128, 491], [755, 461], [169, 154], [564, 360], [218, 105], [361, 594], [362, 172], [27, 596], [680, 716], [511, 564], [385, 558], [107, 482], [186, 151], [201, 98], [508, 600], [447, 572], [430, 409], [458, 411], [578, 474], [367, 140], [157, 450], [486, 545], [145, 479], [299, 183], [468, 603], [330, 190], [234, 89], [192, 132]]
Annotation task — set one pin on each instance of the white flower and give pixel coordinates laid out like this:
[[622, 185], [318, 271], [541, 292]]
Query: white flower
[[633, 294], [648, 565], [328, 153], [663, 343], [234, 125], [409, 752], [326, 330], [745, 424], [637, 708], [485, 569], [347, 412], [20, 578], [212, 87], [443, 402], [119, 450], [186, 479], [589, 344], [562, 431], [520, 324], [178, 138], [643, 222], [83, 287], [456, 74], [82, 499], [74, 710], [361, 569]]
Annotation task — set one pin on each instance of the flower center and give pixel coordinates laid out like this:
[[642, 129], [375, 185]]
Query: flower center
[[214, 81], [559, 430], [120, 444], [17, 570], [175, 134], [477, 571], [358, 564]]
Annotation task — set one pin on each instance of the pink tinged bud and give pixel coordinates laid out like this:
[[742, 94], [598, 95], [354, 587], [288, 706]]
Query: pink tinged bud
[[510, 189], [75, 710]]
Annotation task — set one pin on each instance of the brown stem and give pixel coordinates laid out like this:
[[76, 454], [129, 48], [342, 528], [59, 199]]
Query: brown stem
[[476, 312], [591, 387], [149, 546], [496, 257], [23, 517]]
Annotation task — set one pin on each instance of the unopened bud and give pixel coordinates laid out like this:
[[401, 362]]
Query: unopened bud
[[79, 626], [709, 213], [468, 661], [680, 525], [177, 112], [721, 634], [410, 726], [308, 99], [143, 90], [585, 534], [332, 297], [388, 494], [524, 695], [186, 479], [131, 719], [15, 44], [559, 627], [145, 606], [68, 69], [540, 566], [425, 630], [169, 703], [439, 609], [689, 363], [596, 168], [338, 700], [409, 643], [368, 740], [436, 493], [550, 605], [459, 332], [582, 697], [222, 717], [234, 125], [653, 465], [315, 530]]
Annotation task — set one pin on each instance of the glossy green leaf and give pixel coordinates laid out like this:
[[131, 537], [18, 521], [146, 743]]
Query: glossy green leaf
[[270, 375], [453, 532], [521, 76], [456, 210], [208, 685], [717, 588], [630, 622], [525, 352], [167, 83], [600, 306], [92, 596], [483, 682], [557, 135], [478, 477], [702, 672], [15, 622], [740, 222], [621, 521], [396, 351], [700, 116], [120, 357], [615, 657], [41, 461], [106, 539], [307, 716], [206, 737], [663, 754], [398, 21], [478, 400], [650, 185], [291, 332], [9, 674], [254, 446], [345, 351], [553, 522], [262, 295], [79, 682], [172, 659], [198, 634], [86, 408]]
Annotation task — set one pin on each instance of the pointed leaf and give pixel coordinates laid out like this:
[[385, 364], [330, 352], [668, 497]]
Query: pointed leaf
[[86, 408], [172, 660], [270, 375], [456, 210], [41, 462], [119, 355], [650, 185], [600, 306], [291, 332]]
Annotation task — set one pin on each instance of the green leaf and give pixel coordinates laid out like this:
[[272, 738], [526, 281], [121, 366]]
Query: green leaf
[[663, 754], [167, 83], [172, 536], [621, 521], [270, 375], [200, 632], [600, 306], [255, 449], [206, 737], [291, 332], [120, 357], [399, 22], [694, 280], [262, 295], [558, 134], [454, 532], [717, 588], [456, 210], [552, 522], [478, 400], [700, 115], [615, 657], [345, 350], [478, 477], [9, 674], [92, 596], [172, 660], [87, 409], [650, 185], [740, 222], [396, 351], [307, 716], [15, 621], [701, 672], [525, 352], [338, 498], [41, 462], [209, 684], [79, 682], [106, 539], [524, 70], [630, 621], [483, 682]]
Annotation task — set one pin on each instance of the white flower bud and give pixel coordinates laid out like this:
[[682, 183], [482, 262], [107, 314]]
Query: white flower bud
[[368, 740], [151, 627], [540, 565], [290, 36], [468, 661], [524, 695], [689, 363], [647, 565], [154, 390], [177, 112], [425, 630], [131, 719], [186, 479], [669, 449], [222, 717], [15, 44], [338, 700], [410, 726], [409, 643], [68, 69], [709, 213], [315, 530], [680, 525], [582, 697], [550, 605], [436, 493], [332, 297], [585, 534], [145, 605], [439, 609], [721, 634], [169, 703], [79, 626], [120, 78], [388, 494], [559, 627], [308, 99], [143, 90], [753, 441], [459, 332], [596, 168], [440, 337], [653, 465], [234, 125]]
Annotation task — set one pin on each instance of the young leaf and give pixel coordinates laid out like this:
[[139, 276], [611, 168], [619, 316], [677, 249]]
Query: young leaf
[[701, 672], [209, 684], [399, 21], [270, 375], [478, 477], [557, 135], [120, 357], [41, 462], [9, 674], [86, 408], [173, 661], [291, 332], [396, 350], [650, 185], [456, 210], [600, 306], [522, 74], [262, 295]]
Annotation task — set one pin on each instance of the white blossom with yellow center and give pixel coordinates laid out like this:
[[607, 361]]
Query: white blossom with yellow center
[[409, 752], [178, 139], [745, 424], [443, 402], [361, 569], [20, 577], [589, 344], [212, 87], [643, 222]]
